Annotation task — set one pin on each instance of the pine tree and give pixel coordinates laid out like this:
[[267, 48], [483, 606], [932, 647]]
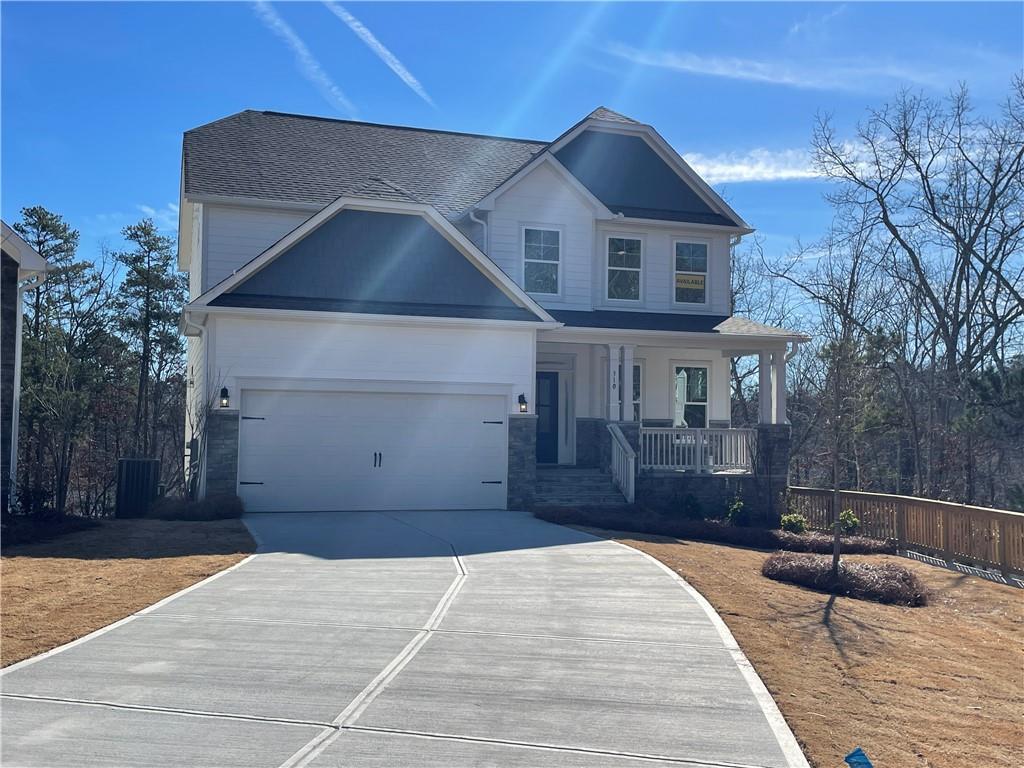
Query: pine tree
[[150, 301]]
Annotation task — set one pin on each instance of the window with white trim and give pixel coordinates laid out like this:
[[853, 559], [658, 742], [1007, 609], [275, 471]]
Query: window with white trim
[[541, 260], [691, 265], [691, 396], [624, 268]]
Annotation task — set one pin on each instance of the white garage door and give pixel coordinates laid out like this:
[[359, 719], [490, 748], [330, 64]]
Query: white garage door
[[317, 451]]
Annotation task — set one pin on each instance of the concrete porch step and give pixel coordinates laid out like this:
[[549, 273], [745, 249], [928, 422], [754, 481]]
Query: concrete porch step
[[575, 486]]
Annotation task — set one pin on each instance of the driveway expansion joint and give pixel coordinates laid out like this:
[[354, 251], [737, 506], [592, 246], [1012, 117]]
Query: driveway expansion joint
[[658, 759], [168, 710], [348, 716], [438, 630]]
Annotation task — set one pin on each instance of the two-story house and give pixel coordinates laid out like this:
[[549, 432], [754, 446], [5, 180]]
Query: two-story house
[[385, 317]]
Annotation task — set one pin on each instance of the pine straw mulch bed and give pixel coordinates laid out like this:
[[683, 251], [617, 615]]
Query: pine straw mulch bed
[[52, 592], [882, 582], [938, 686]]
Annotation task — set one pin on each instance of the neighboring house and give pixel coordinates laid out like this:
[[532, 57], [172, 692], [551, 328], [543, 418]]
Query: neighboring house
[[405, 318], [23, 269]]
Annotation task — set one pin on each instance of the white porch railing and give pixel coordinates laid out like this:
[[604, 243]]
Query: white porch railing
[[623, 463], [697, 450]]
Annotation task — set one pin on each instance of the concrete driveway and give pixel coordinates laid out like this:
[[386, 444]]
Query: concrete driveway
[[412, 638]]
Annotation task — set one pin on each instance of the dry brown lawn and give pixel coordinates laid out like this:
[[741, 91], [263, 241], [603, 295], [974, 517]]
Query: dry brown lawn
[[52, 592], [941, 685]]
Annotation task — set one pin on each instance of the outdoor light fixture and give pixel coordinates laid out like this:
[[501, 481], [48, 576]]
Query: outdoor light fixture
[[225, 400], [522, 402]]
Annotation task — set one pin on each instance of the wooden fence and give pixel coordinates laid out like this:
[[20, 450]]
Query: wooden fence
[[989, 538]]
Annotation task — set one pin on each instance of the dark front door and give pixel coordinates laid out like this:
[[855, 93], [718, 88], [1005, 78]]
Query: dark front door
[[547, 418]]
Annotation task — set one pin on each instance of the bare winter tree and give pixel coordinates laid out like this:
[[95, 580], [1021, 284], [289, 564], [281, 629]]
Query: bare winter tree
[[938, 192]]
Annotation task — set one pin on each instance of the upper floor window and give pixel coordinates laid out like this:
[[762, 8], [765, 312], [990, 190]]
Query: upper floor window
[[542, 257], [691, 273], [624, 266]]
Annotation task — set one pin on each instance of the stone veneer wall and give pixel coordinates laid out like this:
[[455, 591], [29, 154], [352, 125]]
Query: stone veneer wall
[[763, 492], [522, 460], [222, 452], [589, 433], [774, 443], [669, 492], [8, 329]]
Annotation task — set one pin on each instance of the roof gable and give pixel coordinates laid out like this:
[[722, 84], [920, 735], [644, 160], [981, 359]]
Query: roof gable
[[375, 256], [361, 260], [625, 173]]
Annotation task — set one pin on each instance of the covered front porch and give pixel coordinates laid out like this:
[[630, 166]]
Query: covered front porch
[[672, 399], [652, 411]]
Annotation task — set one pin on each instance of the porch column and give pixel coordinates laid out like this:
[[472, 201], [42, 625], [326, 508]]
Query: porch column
[[614, 404], [764, 387], [626, 388], [779, 385]]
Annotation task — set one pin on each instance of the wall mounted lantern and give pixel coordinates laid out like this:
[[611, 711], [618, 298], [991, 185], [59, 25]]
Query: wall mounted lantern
[[522, 402], [225, 400]]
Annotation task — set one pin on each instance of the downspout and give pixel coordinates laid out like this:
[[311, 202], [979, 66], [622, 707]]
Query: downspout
[[483, 226], [28, 284]]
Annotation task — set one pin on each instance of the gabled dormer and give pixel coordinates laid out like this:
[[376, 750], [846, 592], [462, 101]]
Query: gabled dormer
[[609, 216]]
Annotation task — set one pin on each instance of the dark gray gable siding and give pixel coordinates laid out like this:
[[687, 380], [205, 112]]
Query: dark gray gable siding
[[379, 263], [629, 177]]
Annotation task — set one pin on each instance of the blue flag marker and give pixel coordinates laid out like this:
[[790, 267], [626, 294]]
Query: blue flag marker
[[857, 759]]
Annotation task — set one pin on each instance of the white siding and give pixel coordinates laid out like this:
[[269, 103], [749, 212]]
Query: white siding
[[234, 235], [309, 350], [543, 198], [658, 264]]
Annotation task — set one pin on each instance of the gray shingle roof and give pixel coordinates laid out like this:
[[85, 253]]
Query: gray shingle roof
[[603, 113], [276, 156]]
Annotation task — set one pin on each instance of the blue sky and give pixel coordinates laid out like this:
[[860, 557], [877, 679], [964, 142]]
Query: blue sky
[[95, 96]]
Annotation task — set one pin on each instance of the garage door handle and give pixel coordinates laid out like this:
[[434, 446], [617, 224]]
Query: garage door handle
[[494, 422], [490, 482]]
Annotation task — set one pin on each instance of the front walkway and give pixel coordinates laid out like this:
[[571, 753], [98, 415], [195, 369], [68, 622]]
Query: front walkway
[[415, 638]]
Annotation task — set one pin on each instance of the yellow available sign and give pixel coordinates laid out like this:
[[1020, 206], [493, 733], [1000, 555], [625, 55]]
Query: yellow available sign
[[696, 282]]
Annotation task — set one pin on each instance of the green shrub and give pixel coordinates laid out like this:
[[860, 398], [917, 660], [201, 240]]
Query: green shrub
[[880, 582], [217, 507], [848, 522], [639, 519], [737, 514], [794, 522]]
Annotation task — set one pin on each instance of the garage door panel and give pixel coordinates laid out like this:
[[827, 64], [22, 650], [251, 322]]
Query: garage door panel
[[311, 451]]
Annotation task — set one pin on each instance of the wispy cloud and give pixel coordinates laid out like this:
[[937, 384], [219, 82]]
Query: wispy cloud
[[815, 26], [380, 50], [165, 218], [817, 75], [307, 62], [754, 165]]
